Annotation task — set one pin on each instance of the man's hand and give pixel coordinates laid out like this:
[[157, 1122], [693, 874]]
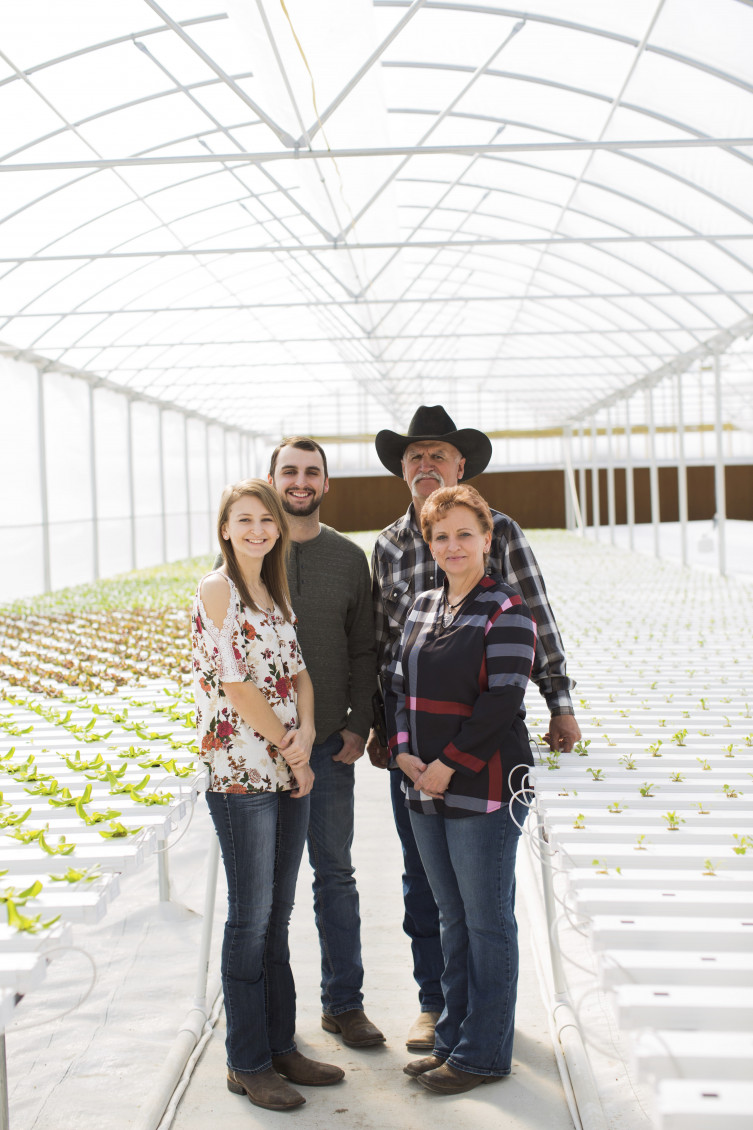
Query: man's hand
[[352, 748], [563, 732], [434, 780], [379, 754]]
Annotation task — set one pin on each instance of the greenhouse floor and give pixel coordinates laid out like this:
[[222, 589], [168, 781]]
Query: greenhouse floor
[[632, 626]]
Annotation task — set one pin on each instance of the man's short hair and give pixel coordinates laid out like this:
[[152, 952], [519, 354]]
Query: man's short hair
[[303, 443]]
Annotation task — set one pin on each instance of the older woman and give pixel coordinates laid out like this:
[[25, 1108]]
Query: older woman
[[255, 722], [455, 710]]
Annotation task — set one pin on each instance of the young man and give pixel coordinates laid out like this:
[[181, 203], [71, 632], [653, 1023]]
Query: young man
[[330, 594], [433, 454]]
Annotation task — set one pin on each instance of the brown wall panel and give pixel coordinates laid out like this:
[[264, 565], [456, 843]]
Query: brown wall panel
[[701, 501], [532, 498], [536, 499]]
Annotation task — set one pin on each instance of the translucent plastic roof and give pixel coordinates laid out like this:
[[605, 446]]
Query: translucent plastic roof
[[319, 215]]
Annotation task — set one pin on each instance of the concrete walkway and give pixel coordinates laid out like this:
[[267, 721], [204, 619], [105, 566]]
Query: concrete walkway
[[375, 1093]]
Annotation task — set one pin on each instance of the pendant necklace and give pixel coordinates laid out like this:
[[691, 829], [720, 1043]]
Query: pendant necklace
[[450, 609]]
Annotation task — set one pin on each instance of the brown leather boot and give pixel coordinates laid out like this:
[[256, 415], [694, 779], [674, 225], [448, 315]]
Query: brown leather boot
[[356, 1028], [264, 1088], [306, 1072], [448, 1080], [419, 1066]]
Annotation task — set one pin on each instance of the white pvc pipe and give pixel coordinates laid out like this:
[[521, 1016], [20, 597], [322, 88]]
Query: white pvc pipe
[[93, 486], [131, 484], [193, 1026], [578, 1082], [572, 504]]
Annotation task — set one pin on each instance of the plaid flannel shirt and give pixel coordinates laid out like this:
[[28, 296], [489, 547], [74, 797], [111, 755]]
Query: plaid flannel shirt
[[402, 567]]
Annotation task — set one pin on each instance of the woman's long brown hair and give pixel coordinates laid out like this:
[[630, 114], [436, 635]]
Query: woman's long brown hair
[[273, 571]]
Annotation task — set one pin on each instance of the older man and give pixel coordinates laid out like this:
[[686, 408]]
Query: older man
[[433, 454]]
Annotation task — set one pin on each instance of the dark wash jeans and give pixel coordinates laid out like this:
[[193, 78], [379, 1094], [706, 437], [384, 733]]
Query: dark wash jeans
[[261, 839], [336, 906], [421, 921], [470, 862]]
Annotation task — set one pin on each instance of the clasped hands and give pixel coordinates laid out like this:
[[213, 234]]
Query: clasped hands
[[432, 779], [295, 747]]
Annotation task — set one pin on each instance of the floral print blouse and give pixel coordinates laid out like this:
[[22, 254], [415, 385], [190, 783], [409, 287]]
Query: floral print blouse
[[257, 647]]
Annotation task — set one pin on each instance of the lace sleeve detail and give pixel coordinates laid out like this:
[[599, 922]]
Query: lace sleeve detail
[[228, 652]]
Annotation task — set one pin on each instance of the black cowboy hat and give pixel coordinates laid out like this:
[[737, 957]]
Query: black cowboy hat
[[433, 423]]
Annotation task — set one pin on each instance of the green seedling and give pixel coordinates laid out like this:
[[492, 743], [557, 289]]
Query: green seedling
[[646, 789], [730, 792], [701, 810], [597, 774], [78, 875], [117, 830], [628, 761], [602, 867], [728, 750], [47, 787], [639, 845], [709, 868], [609, 740], [580, 821], [67, 800], [661, 722], [703, 763], [679, 737], [673, 821], [653, 749], [581, 748], [616, 807], [552, 760], [743, 843], [14, 820], [704, 704], [676, 777]]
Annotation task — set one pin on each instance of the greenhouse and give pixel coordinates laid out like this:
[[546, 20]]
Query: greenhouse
[[224, 225]]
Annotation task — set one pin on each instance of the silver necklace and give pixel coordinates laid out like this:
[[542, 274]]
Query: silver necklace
[[450, 609]]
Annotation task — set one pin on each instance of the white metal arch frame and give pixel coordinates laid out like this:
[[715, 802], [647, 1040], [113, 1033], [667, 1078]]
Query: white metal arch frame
[[384, 313]]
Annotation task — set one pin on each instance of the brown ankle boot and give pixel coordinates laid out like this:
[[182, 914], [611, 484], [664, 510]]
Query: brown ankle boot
[[306, 1072], [264, 1088], [418, 1066]]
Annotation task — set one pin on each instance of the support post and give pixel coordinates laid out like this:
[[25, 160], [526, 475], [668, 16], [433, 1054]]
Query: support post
[[720, 490], [4, 1111], [582, 480], [161, 463], [682, 474], [629, 480], [44, 502], [653, 470], [208, 474], [93, 481], [187, 473], [163, 871], [610, 478], [131, 484], [595, 497]]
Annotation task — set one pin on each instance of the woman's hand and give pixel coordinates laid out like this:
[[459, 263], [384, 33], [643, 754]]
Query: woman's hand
[[435, 779], [412, 766], [295, 747], [304, 778]]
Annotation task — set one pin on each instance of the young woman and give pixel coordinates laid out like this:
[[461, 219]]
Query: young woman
[[255, 722], [455, 708]]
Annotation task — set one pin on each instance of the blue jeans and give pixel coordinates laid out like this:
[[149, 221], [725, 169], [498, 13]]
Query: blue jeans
[[421, 921], [470, 862], [336, 907], [261, 838]]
